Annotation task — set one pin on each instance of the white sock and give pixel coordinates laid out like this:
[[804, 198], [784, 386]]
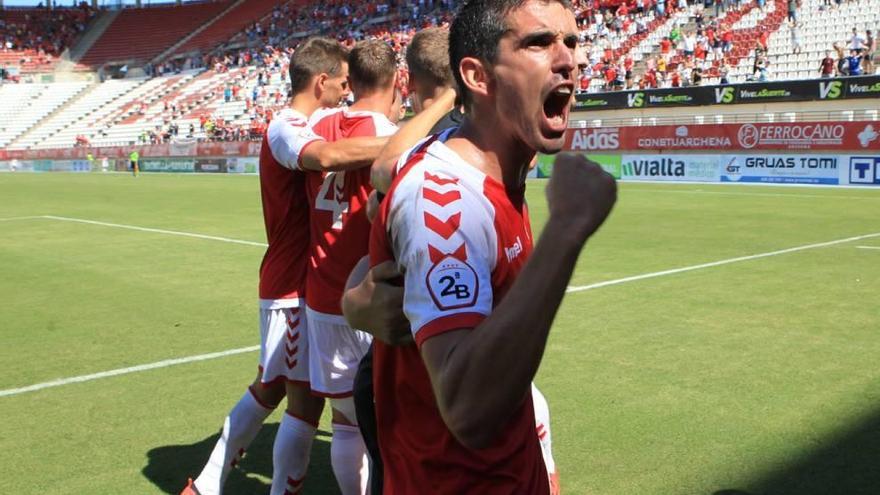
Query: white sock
[[239, 430], [542, 425], [290, 455], [348, 455]]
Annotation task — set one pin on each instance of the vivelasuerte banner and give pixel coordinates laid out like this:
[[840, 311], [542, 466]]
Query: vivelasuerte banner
[[782, 136], [730, 94]]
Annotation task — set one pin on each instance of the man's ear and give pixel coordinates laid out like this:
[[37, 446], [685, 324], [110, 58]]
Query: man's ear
[[475, 75], [321, 81]]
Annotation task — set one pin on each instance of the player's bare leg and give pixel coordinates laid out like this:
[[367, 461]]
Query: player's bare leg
[[293, 442], [348, 454], [239, 430]]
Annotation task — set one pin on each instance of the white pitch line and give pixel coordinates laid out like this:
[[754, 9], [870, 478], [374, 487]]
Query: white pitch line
[[9, 219], [157, 231], [868, 247], [673, 271], [202, 357], [125, 371]]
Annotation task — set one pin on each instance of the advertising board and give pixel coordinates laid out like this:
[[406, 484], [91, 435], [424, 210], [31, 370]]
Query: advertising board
[[610, 163], [787, 169], [729, 94], [783, 136], [166, 165], [691, 168], [863, 170]]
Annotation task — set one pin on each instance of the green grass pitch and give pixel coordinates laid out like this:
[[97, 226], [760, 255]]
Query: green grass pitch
[[754, 377]]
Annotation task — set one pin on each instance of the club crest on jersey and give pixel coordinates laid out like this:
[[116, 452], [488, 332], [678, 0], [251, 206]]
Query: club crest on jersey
[[453, 284]]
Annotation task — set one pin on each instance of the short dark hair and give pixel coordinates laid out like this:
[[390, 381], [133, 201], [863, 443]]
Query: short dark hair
[[371, 65], [315, 56], [427, 57], [476, 30]]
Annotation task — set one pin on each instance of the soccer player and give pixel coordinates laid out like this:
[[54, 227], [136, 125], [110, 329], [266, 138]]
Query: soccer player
[[431, 83], [339, 238], [318, 75], [453, 410]]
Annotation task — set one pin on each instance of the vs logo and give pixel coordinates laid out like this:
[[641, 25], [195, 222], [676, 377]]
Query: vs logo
[[635, 100], [724, 95], [830, 90]]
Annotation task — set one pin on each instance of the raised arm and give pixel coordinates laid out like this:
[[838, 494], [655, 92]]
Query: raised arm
[[417, 128], [481, 375]]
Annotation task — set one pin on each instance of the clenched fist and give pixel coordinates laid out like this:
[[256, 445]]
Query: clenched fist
[[580, 195]]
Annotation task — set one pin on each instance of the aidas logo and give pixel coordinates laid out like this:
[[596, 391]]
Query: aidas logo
[[830, 90], [724, 95], [635, 100]]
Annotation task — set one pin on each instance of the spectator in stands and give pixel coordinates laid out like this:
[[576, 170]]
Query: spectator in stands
[[870, 52], [675, 34], [826, 67], [856, 42], [690, 44], [723, 73], [795, 38], [793, 6], [726, 39], [854, 63], [697, 76], [665, 47]]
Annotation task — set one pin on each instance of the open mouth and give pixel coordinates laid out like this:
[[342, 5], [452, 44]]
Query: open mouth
[[556, 107]]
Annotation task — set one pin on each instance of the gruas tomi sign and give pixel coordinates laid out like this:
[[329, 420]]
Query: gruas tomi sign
[[820, 136]]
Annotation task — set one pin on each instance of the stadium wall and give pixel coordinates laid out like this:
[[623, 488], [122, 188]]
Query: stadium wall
[[827, 153]]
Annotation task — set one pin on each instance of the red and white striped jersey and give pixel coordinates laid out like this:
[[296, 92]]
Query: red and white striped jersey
[[340, 231], [285, 209], [460, 240]]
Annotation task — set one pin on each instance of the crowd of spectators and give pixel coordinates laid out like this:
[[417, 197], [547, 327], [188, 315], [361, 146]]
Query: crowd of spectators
[[39, 36], [255, 57], [856, 57], [685, 55]]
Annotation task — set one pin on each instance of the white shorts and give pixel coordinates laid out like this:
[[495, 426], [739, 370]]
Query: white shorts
[[284, 345], [335, 350]]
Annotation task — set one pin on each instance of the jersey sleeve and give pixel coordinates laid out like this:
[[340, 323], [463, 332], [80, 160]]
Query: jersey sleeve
[[384, 127], [443, 239], [288, 137]]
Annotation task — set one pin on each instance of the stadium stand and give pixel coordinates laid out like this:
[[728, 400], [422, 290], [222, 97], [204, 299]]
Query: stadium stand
[[139, 35], [30, 103], [34, 39], [818, 29], [227, 25], [226, 80]]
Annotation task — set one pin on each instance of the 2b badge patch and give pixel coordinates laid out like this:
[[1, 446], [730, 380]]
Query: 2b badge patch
[[453, 284]]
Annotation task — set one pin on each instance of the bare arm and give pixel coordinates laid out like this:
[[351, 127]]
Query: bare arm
[[417, 128], [373, 303], [345, 154], [480, 376]]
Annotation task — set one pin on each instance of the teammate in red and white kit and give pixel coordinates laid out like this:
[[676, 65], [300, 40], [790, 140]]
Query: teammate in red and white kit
[[453, 411], [339, 238], [318, 74]]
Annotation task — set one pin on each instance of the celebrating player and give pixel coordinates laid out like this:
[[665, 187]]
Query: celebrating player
[[431, 83], [318, 75], [453, 414]]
